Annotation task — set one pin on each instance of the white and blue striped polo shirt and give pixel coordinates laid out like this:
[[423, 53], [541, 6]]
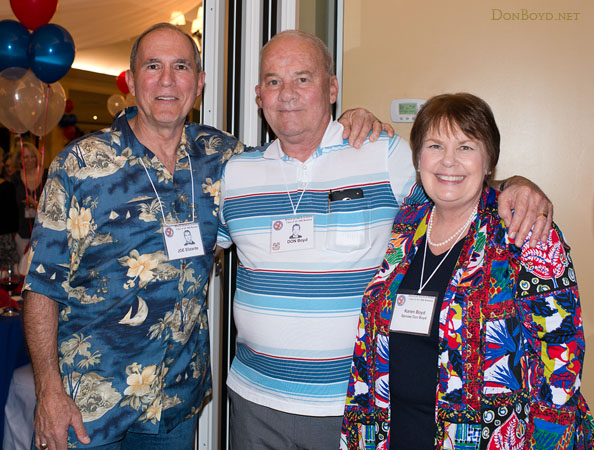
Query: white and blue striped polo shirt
[[296, 311]]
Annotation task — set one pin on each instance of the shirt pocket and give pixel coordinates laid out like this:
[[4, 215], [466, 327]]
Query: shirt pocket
[[348, 225]]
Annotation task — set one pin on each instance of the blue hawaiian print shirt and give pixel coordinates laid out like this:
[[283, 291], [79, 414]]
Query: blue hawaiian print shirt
[[133, 333]]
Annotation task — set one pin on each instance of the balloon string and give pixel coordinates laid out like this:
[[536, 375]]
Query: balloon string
[[42, 146], [24, 176]]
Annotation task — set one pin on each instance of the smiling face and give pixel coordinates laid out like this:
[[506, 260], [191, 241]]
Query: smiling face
[[453, 167], [296, 91], [30, 158], [166, 81]]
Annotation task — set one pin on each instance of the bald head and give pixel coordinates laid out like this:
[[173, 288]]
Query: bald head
[[296, 90], [324, 53]]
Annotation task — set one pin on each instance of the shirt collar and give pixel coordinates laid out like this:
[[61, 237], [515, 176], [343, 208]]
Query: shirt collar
[[332, 136], [121, 130]]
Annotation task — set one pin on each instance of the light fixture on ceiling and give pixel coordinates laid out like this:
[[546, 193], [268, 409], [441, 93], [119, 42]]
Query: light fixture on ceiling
[[177, 18], [197, 22], [196, 29]]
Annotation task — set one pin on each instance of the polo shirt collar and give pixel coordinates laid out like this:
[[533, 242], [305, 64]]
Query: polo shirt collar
[[332, 137]]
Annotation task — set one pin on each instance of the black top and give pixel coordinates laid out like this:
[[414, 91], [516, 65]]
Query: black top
[[26, 224], [413, 359], [8, 208]]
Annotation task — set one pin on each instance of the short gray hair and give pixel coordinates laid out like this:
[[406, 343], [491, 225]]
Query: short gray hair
[[314, 40], [163, 26]]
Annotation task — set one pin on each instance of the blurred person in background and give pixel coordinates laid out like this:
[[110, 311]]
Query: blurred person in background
[[10, 218], [28, 183], [9, 165]]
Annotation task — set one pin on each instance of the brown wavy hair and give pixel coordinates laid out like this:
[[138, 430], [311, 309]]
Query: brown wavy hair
[[465, 111]]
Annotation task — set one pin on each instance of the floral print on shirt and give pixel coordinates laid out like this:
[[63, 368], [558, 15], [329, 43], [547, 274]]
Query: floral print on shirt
[[133, 332]]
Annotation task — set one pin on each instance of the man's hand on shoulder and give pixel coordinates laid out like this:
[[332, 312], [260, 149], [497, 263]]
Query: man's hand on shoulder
[[358, 123], [524, 206]]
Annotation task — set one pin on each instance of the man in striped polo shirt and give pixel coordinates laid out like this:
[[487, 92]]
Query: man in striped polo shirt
[[299, 292]]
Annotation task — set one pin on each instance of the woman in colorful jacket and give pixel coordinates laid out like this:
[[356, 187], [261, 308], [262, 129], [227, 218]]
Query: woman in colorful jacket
[[466, 341]]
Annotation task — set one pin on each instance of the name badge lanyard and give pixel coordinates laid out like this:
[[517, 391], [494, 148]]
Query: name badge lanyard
[[183, 311], [159, 198], [417, 319], [293, 207], [421, 284]]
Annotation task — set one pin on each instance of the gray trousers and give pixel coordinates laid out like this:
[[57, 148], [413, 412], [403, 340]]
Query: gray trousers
[[255, 427]]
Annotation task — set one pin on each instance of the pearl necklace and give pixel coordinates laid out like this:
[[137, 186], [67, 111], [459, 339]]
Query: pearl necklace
[[456, 234]]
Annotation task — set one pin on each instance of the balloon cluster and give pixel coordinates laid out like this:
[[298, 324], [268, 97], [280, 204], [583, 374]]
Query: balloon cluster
[[117, 102], [33, 100]]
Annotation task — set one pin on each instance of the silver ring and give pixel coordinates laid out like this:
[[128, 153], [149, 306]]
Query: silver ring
[[43, 446]]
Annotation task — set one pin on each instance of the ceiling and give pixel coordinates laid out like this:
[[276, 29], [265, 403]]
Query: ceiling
[[104, 30]]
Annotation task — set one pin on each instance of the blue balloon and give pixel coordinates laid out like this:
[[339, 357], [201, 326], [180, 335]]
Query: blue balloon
[[51, 52], [14, 44]]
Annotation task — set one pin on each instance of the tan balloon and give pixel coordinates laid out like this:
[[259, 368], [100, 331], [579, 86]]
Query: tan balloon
[[29, 99], [54, 105], [130, 100], [9, 80], [115, 104]]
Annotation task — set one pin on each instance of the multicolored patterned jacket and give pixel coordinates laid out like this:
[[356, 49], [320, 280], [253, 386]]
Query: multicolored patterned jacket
[[511, 344]]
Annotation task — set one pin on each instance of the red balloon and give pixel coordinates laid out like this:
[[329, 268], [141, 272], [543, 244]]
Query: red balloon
[[121, 82], [69, 106], [34, 13], [70, 132]]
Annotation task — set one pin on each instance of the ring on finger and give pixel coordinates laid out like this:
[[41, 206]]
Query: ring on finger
[[543, 214]]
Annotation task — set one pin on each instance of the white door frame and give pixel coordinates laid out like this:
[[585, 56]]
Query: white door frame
[[212, 113], [213, 56]]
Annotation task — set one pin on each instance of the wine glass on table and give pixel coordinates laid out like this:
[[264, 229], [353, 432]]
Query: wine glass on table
[[9, 280]]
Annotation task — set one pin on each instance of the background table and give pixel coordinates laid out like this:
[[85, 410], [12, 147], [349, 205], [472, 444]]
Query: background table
[[13, 354]]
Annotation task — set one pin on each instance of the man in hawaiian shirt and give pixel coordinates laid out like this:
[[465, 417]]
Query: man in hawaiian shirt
[[115, 316]]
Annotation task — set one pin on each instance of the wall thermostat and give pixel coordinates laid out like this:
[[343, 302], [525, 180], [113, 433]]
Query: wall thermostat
[[405, 109]]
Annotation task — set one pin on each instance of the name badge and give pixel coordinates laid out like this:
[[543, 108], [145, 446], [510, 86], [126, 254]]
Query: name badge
[[413, 312], [292, 233], [183, 240], [30, 213]]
